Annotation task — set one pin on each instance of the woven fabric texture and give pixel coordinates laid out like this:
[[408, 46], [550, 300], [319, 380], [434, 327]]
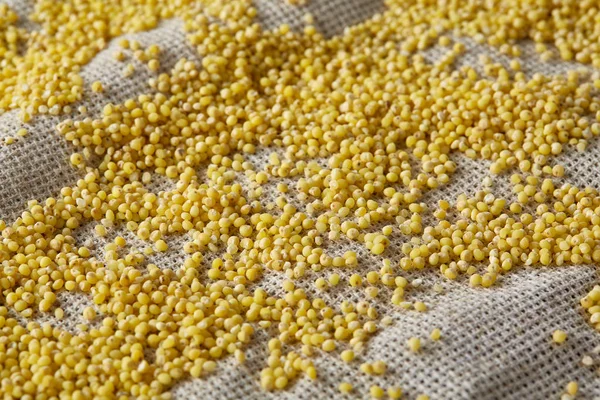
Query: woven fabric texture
[[496, 343]]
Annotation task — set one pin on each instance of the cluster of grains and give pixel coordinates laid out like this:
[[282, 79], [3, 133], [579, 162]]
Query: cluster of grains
[[74, 31], [133, 49], [561, 229], [356, 128], [569, 26], [39, 70], [10, 34]]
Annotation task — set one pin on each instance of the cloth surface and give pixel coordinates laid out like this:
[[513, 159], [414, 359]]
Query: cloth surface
[[496, 343]]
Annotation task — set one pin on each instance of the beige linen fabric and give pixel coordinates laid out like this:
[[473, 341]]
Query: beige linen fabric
[[496, 343]]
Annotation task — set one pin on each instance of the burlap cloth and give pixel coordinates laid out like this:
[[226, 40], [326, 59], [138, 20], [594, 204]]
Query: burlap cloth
[[496, 343]]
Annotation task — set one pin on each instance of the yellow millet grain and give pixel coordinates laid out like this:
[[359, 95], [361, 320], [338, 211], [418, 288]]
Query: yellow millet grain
[[347, 355], [97, 87], [379, 367], [572, 388], [559, 336], [345, 387], [394, 392], [376, 392], [436, 334], [414, 344]]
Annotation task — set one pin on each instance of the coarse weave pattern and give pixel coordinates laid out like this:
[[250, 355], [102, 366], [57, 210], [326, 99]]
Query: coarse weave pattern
[[496, 343]]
